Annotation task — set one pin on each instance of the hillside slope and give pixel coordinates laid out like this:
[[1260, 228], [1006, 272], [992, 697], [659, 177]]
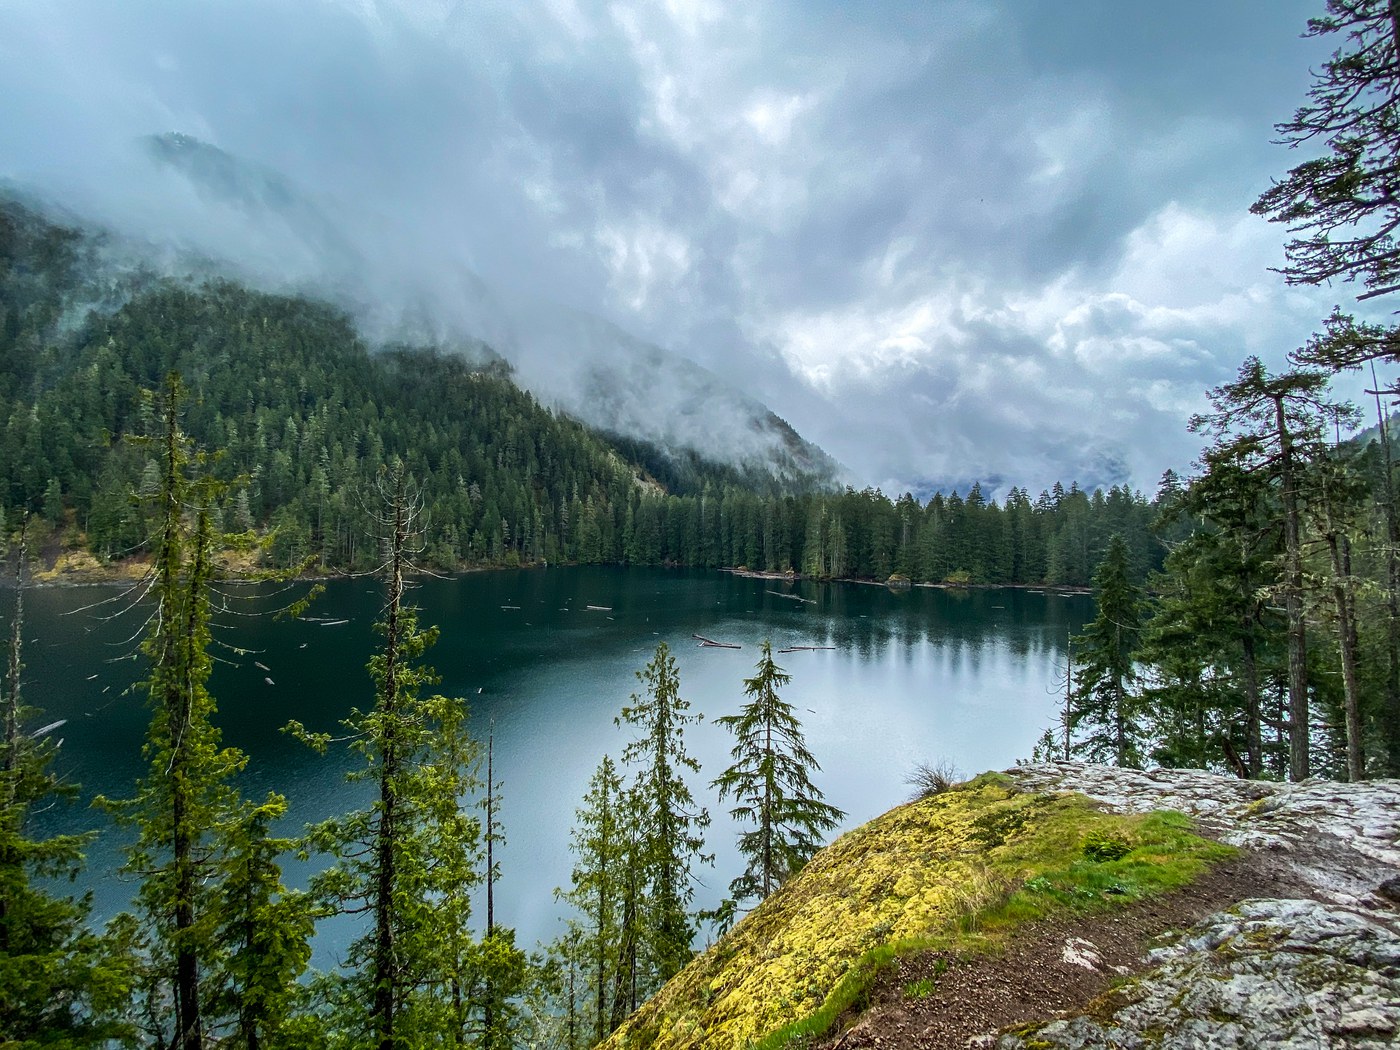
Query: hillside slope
[[958, 884]]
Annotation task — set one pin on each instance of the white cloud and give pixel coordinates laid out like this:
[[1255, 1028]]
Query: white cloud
[[941, 237], [643, 260]]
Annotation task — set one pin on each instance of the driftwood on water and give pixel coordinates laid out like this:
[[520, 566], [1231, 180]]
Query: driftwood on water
[[794, 597], [805, 648], [712, 644]]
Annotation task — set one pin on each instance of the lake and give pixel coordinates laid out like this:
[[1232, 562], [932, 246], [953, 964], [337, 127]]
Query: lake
[[547, 657]]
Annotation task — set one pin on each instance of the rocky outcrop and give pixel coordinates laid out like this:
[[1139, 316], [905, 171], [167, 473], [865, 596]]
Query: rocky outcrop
[[1267, 973], [1341, 840], [1316, 972]]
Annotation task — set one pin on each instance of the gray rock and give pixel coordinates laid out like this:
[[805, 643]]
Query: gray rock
[[1267, 973], [1341, 840]]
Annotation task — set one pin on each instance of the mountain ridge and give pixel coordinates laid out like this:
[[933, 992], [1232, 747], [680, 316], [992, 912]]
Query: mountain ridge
[[584, 364]]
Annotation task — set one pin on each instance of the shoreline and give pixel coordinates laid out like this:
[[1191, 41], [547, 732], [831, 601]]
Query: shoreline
[[81, 569]]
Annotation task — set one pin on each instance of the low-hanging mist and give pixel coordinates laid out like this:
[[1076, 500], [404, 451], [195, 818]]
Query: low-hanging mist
[[945, 241]]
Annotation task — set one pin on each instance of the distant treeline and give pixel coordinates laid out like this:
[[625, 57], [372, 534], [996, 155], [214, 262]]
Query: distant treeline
[[296, 403]]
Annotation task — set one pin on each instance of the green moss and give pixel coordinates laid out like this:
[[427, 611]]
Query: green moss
[[951, 872]]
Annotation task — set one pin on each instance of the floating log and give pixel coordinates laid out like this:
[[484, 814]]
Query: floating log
[[805, 648], [599, 608], [510, 606], [333, 623], [712, 644], [794, 597]]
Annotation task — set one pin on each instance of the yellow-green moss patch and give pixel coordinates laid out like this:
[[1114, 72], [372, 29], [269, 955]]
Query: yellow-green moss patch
[[949, 871]]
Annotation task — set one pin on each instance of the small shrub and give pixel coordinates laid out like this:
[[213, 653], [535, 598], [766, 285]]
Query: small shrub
[[1101, 847], [929, 779]]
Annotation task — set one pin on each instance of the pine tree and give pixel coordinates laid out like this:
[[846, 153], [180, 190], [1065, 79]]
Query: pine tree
[[671, 823], [411, 859], [1214, 638], [186, 798], [1104, 701], [770, 782], [1272, 426], [1341, 207], [59, 985], [264, 932], [593, 947]]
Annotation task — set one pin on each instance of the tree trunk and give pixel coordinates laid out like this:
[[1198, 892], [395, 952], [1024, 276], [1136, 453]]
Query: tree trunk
[[1343, 598], [12, 677], [1298, 738], [385, 1006], [489, 1008], [1390, 723], [189, 1033], [1254, 743]]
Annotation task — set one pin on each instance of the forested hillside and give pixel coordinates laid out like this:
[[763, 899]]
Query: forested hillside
[[296, 402]]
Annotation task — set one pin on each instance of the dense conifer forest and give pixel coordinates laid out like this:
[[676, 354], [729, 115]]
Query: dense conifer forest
[[296, 401]]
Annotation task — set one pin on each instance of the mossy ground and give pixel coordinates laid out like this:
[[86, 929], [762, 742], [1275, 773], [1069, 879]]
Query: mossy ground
[[952, 871]]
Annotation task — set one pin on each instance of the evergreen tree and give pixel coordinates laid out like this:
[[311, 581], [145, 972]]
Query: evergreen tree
[[59, 985], [1214, 639], [770, 782], [1104, 702], [263, 938], [596, 951], [1341, 207], [187, 796], [1273, 426], [412, 857], [671, 824]]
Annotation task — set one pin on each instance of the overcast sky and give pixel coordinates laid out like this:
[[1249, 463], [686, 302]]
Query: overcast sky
[[945, 240]]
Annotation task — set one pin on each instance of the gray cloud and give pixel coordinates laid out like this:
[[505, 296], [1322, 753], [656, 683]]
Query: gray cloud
[[945, 240]]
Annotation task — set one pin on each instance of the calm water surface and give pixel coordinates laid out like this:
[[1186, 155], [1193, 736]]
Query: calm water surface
[[914, 676]]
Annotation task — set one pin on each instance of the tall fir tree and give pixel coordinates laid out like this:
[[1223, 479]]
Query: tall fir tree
[[410, 859], [593, 950], [1105, 708], [671, 822], [1273, 426], [186, 803], [59, 984], [771, 785]]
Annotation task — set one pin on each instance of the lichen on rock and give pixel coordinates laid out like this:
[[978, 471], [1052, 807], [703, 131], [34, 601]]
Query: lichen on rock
[[1278, 973]]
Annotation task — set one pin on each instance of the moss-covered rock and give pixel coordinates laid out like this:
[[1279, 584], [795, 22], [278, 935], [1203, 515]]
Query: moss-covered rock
[[949, 870]]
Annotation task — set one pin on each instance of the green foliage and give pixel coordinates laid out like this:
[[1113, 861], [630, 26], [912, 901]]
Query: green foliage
[[770, 782], [1104, 706], [1338, 205], [601, 951], [919, 989], [209, 879], [60, 985], [264, 931], [412, 857], [670, 821]]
